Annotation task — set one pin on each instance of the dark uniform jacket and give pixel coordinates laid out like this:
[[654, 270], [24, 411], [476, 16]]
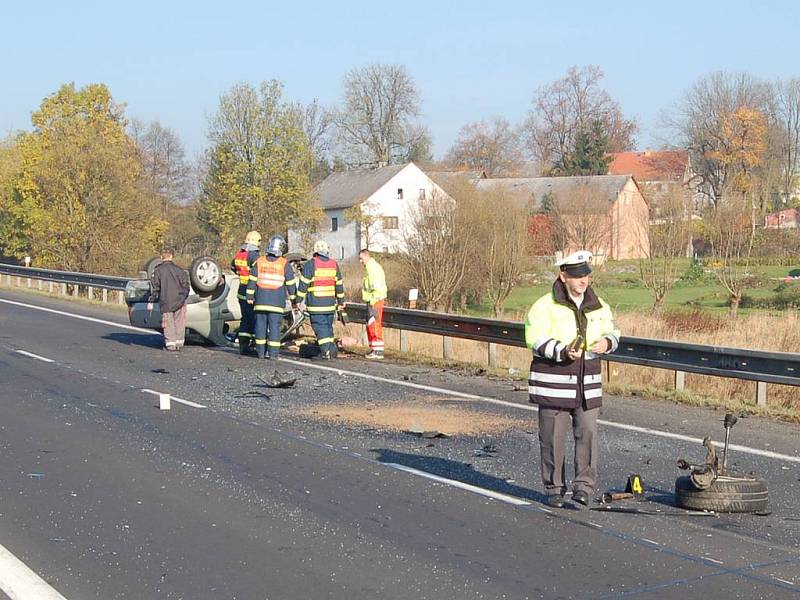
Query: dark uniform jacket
[[552, 323], [170, 286], [272, 281], [240, 264], [321, 285]]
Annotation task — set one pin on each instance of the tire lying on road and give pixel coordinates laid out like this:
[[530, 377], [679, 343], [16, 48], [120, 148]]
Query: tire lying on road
[[205, 275], [726, 495]]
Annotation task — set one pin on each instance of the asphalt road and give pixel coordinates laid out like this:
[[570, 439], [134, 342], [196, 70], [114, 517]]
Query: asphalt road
[[244, 496]]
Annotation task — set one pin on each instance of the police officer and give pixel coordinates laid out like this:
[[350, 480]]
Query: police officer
[[241, 263], [322, 291], [568, 329], [272, 281]]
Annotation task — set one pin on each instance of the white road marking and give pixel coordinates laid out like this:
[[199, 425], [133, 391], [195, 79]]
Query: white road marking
[[36, 356], [784, 581], [459, 484], [19, 582], [714, 560], [613, 424], [651, 542], [66, 314], [176, 399]]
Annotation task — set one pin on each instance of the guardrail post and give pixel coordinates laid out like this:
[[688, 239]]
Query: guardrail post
[[90, 292], [50, 287], [492, 354], [121, 297], [761, 393], [447, 347], [680, 380], [105, 295], [403, 340], [19, 281], [63, 289], [75, 291], [39, 284], [30, 282]]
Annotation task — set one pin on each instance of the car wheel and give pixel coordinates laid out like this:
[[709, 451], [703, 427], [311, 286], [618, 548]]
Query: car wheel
[[726, 495], [205, 274], [150, 265]]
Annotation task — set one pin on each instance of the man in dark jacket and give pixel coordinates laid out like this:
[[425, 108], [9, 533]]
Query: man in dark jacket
[[568, 329], [170, 286]]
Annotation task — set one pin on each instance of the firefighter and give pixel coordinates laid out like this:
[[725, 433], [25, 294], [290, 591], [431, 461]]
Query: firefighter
[[272, 280], [322, 291], [242, 262], [373, 293]]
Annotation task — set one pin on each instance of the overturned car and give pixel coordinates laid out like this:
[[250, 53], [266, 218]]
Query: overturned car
[[212, 309]]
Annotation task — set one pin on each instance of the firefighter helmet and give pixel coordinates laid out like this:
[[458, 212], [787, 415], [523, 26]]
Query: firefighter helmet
[[321, 247], [276, 246], [253, 237]]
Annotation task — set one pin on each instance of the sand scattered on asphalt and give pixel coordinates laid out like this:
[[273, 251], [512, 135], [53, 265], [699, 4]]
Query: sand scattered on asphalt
[[421, 413]]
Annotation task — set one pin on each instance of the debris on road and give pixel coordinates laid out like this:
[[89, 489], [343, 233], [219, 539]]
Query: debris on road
[[278, 380]]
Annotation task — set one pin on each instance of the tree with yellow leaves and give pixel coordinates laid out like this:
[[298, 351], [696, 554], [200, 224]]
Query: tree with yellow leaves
[[76, 195]]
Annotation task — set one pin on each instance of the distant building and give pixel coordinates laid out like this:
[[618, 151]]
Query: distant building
[[658, 172], [386, 193], [620, 232], [783, 219]]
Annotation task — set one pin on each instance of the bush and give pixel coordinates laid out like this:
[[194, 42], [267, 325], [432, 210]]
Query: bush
[[695, 321], [786, 296]]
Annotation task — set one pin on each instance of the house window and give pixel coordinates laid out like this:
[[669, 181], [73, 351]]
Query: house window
[[391, 223], [399, 193], [334, 223], [422, 193]]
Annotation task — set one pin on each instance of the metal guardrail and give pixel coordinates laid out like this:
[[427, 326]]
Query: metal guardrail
[[753, 365]]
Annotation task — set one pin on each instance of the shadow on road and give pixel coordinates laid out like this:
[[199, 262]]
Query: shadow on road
[[458, 471], [149, 340]]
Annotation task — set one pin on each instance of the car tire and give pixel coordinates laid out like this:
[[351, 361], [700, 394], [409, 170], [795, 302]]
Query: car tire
[[205, 274], [726, 495], [150, 265]]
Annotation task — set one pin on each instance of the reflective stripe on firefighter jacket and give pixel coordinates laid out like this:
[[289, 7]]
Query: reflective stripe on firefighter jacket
[[552, 323], [241, 263], [374, 286], [321, 286], [272, 281]]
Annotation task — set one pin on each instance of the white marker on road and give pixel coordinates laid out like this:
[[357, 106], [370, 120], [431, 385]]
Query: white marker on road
[[171, 397], [19, 582], [163, 401], [36, 356]]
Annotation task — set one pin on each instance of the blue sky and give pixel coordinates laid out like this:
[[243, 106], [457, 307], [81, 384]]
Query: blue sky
[[170, 61]]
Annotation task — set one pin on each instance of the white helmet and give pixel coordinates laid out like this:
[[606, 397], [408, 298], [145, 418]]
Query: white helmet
[[321, 247], [276, 246]]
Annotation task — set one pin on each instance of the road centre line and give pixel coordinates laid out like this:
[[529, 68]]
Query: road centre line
[[36, 356], [176, 399], [19, 582], [613, 424], [459, 484]]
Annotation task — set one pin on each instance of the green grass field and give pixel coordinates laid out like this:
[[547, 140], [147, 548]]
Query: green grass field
[[619, 283]]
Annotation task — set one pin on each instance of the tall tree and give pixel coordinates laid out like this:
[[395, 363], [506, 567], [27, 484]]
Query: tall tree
[[13, 238], [377, 122], [492, 146], [166, 175], [591, 154], [568, 106], [316, 122], [258, 165], [78, 188], [788, 116]]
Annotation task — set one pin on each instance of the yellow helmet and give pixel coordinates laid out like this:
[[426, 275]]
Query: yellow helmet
[[321, 247], [253, 237]]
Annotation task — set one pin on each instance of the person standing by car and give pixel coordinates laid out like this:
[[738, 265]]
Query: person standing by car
[[373, 293], [169, 285], [241, 264], [568, 329], [272, 280], [322, 291]]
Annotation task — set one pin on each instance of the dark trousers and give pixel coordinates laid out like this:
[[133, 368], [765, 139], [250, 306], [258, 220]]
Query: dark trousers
[[553, 426], [268, 333], [322, 324], [247, 324]]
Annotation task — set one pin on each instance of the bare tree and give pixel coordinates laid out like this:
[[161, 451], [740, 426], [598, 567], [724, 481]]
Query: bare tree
[[788, 115], [377, 123], [166, 174], [437, 239], [581, 219], [492, 146], [567, 106], [367, 219], [316, 122], [699, 120], [670, 234]]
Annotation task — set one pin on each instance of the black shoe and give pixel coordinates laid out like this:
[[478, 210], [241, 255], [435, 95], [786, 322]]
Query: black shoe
[[243, 349], [581, 497], [555, 501]]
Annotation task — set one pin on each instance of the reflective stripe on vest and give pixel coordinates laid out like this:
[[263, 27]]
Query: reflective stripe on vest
[[323, 285], [242, 266], [271, 274]]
